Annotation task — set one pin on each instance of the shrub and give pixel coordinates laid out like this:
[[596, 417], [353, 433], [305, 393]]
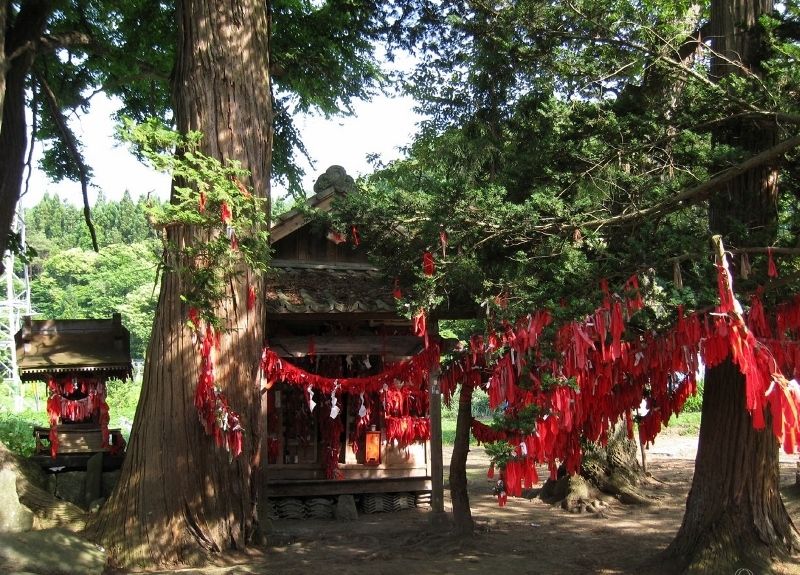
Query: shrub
[[16, 430], [694, 404], [122, 398]]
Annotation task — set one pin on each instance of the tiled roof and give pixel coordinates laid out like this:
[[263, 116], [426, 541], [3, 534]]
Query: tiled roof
[[329, 288], [52, 346]]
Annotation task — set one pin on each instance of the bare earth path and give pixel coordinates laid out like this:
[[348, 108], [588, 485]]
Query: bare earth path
[[526, 537]]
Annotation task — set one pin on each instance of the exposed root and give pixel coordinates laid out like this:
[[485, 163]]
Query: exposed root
[[611, 471], [48, 510]]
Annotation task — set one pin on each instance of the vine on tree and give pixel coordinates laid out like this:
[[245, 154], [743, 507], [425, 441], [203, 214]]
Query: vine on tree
[[210, 197], [230, 237]]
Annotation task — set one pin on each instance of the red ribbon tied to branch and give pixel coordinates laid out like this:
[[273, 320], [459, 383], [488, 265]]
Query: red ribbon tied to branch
[[225, 213], [397, 292], [772, 269], [428, 266]]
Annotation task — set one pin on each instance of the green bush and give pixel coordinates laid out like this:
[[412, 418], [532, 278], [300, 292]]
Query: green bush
[[480, 405], [122, 398], [694, 404], [16, 430]]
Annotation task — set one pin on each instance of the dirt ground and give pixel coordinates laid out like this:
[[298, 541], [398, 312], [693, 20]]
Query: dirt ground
[[525, 537]]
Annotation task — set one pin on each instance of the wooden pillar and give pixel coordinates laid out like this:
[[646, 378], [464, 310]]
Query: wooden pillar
[[437, 468], [261, 460]]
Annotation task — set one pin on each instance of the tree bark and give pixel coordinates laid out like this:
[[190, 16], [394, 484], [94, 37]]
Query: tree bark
[[21, 35], [734, 514], [459, 493], [735, 517], [3, 60], [179, 496], [746, 213]]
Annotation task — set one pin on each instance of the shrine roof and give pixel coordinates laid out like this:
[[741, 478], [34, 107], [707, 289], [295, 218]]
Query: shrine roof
[[295, 287], [72, 345]]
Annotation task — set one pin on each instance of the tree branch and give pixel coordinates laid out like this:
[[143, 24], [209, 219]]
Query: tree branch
[[68, 40], [86, 43], [74, 153], [697, 192], [34, 134]]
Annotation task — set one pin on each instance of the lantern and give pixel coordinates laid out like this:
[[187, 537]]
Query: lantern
[[372, 455]]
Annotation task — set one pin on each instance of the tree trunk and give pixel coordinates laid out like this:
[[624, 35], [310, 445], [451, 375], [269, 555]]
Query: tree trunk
[[3, 60], [16, 63], [179, 496], [735, 517], [734, 514], [747, 213], [459, 494]]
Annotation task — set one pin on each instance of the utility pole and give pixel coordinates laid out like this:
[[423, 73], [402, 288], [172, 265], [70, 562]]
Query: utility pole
[[15, 304]]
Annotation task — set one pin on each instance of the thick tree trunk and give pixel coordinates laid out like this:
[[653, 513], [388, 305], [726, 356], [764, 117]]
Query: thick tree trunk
[[179, 496], [459, 494], [747, 214], [734, 514], [18, 58], [3, 60]]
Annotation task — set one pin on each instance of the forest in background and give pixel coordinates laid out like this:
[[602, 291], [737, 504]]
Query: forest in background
[[69, 280]]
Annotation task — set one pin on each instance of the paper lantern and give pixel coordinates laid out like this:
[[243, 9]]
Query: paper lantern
[[372, 455]]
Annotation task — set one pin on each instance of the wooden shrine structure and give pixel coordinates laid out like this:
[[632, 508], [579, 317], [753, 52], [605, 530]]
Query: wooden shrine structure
[[75, 358], [331, 314]]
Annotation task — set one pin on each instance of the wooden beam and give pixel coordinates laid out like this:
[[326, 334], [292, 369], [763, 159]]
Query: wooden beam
[[295, 219], [315, 265], [396, 345], [339, 487]]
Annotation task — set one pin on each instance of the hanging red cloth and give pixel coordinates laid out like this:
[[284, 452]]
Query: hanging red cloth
[[420, 327], [772, 269], [251, 297], [428, 266], [226, 215]]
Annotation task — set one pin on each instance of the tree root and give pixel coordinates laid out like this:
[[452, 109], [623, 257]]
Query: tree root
[[48, 510], [610, 471]]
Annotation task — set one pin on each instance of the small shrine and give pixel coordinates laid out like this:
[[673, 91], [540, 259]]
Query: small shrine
[[75, 358], [346, 376]]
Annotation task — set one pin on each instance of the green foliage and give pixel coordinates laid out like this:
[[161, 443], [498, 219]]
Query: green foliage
[[686, 424], [548, 122], [211, 201], [322, 55], [16, 430], [694, 403], [77, 283], [122, 397], [68, 280], [480, 405], [521, 421], [500, 452], [55, 224]]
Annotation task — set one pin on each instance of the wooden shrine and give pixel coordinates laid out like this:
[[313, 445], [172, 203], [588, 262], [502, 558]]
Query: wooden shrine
[[330, 314], [75, 358]]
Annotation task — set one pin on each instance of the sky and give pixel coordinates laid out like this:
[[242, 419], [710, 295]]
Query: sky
[[381, 126]]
